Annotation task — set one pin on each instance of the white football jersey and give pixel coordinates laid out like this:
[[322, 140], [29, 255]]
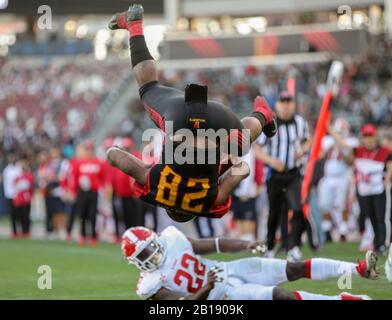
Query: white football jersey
[[182, 271], [335, 165]]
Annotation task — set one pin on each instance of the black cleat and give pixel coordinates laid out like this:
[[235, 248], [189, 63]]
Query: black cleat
[[119, 20]]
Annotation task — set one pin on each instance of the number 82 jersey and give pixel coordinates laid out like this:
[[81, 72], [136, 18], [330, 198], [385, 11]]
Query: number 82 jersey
[[172, 187]]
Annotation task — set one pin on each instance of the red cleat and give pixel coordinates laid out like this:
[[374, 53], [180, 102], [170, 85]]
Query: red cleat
[[82, 241], [94, 241], [123, 20], [367, 268]]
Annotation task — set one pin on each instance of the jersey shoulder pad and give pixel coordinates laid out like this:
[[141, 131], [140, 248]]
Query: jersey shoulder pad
[[149, 284], [172, 234]]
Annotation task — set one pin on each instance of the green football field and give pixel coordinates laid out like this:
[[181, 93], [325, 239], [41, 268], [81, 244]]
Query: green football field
[[101, 273]]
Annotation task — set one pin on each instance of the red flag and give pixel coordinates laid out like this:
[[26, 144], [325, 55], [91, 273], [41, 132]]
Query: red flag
[[320, 131], [291, 85]]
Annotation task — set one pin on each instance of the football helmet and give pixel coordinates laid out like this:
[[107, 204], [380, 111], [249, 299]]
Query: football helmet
[[142, 247]]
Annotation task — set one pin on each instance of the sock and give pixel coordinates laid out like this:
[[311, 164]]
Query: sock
[[137, 43], [321, 268], [303, 295], [139, 50]]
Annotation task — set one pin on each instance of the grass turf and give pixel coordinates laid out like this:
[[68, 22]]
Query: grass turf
[[101, 273]]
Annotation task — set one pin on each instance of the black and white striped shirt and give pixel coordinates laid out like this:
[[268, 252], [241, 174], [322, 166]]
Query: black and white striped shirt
[[287, 142]]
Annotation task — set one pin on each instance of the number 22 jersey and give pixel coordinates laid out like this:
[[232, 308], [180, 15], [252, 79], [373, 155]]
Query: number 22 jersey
[[182, 272]]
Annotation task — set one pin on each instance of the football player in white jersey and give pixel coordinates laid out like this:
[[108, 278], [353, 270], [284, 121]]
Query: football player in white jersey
[[171, 268], [338, 175]]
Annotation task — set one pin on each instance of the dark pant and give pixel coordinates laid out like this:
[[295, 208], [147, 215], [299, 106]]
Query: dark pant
[[70, 209], [128, 210], [208, 231], [373, 207], [48, 217], [21, 215], [284, 193], [150, 209], [54, 205], [86, 207]]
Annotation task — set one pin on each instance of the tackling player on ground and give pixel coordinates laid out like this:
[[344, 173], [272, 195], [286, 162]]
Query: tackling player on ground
[[187, 189], [171, 268]]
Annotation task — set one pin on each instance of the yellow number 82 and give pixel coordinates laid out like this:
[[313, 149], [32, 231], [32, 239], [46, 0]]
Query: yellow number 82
[[171, 197]]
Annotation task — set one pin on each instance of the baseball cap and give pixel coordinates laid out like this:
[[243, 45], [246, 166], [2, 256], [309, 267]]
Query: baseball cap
[[369, 130], [285, 96]]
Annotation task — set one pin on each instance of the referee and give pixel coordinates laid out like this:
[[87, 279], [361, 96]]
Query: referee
[[284, 154]]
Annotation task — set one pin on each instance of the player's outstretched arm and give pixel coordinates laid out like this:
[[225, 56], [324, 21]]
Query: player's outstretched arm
[[128, 164], [218, 245], [243, 133], [143, 64], [261, 120]]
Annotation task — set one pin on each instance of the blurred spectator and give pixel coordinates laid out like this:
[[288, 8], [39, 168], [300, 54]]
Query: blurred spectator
[[204, 227], [49, 175], [371, 161], [88, 177], [127, 209], [333, 188], [11, 171], [24, 186], [244, 199]]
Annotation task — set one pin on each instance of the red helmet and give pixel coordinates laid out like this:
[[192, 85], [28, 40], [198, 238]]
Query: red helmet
[[141, 247]]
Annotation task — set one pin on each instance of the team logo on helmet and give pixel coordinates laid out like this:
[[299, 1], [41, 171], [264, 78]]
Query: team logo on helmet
[[141, 247]]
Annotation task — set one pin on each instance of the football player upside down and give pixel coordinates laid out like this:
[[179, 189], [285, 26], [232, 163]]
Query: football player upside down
[[171, 268], [191, 187]]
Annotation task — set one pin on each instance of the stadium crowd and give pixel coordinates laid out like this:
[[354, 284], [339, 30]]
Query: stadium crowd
[[40, 158]]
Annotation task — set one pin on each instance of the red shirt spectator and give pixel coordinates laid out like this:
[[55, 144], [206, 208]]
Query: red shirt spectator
[[24, 185], [88, 174], [123, 185]]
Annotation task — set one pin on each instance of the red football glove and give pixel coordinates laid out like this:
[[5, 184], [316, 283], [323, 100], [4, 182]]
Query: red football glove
[[270, 126], [261, 105]]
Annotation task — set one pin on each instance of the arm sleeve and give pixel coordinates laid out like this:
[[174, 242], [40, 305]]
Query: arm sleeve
[[148, 285]]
